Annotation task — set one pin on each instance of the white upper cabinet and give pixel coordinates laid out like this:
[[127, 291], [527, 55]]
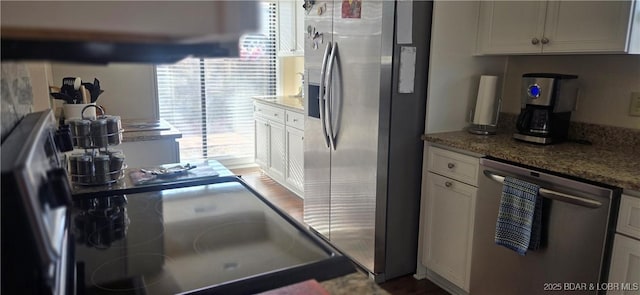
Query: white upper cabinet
[[511, 27], [532, 27], [290, 28]]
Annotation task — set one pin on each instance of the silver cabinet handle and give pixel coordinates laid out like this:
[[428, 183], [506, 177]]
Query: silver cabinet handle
[[275, 114], [321, 94], [451, 165], [295, 120], [551, 194], [448, 183], [544, 40], [535, 41]]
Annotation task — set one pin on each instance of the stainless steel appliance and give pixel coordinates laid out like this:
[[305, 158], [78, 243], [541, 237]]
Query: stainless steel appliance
[[37, 247], [364, 117], [577, 231], [547, 103], [207, 236]]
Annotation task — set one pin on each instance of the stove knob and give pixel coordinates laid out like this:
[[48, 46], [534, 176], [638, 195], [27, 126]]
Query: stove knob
[[59, 187], [62, 139]]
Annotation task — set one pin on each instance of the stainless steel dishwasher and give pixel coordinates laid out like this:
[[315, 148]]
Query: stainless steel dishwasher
[[577, 225]]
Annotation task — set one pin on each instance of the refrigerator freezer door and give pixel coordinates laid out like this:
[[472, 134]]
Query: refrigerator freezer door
[[354, 163]]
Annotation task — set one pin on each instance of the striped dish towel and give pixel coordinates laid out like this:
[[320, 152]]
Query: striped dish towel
[[519, 216]]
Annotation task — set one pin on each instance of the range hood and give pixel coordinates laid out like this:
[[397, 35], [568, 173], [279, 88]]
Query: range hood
[[123, 31], [104, 52]]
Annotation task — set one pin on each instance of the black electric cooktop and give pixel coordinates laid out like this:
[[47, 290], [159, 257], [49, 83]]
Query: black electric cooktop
[[221, 238]]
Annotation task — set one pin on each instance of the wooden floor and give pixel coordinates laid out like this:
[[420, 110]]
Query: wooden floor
[[292, 204]]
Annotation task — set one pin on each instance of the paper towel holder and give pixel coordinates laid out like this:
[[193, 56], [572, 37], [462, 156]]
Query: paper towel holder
[[485, 129]]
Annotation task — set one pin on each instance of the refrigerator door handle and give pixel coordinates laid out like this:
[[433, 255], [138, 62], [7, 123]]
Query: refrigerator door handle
[[322, 93], [329, 102]]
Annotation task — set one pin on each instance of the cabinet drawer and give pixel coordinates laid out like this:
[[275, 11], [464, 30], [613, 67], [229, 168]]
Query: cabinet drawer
[[629, 216], [453, 165], [295, 120], [269, 112]]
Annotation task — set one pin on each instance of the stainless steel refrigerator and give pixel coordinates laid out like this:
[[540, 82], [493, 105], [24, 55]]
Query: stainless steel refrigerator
[[365, 104]]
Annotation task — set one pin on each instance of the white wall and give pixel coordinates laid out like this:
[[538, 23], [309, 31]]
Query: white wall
[[289, 82], [454, 73], [41, 77], [129, 89], [606, 85]]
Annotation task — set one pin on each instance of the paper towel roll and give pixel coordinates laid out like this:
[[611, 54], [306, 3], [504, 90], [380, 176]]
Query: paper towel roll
[[486, 101]]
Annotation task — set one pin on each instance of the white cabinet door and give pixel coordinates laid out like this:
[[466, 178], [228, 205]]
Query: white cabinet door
[[295, 159], [300, 28], [511, 26], [262, 142], [277, 160], [625, 265], [448, 229], [290, 28], [520, 27], [583, 26]]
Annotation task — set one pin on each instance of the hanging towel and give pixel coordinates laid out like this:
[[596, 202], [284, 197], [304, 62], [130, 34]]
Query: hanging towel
[[536, 226], [519, 208]]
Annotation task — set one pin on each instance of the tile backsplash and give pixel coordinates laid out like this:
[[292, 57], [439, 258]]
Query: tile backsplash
[[17, 95], [594, 133], [606, 83]]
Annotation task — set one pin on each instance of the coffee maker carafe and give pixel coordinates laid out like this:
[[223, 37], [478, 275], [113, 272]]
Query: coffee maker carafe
[[547, 102]]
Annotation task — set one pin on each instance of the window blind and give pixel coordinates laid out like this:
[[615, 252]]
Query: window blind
[[209, 100]]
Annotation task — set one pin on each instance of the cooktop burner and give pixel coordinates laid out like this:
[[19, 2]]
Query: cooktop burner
[[179, 240], [135, 284]]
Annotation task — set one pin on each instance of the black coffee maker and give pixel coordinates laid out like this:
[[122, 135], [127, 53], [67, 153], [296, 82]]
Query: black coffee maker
[[547, 102]]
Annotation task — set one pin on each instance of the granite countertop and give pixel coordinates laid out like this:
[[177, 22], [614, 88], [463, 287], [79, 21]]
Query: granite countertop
[[148, 129], [354, 283], [609, 164], [289, 102]]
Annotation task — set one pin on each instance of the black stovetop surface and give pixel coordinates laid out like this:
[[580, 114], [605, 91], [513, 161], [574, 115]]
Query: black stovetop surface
[[219, 238]]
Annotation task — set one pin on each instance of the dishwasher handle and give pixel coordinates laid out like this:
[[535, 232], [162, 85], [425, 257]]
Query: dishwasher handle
[[551, 194]]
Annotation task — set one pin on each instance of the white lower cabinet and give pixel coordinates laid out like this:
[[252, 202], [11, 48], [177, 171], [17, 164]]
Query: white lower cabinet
[[279, 148], [625, 266], [261, 127], [624, 273], [295, 156], [449, 201], [277, 160], [449, 228]]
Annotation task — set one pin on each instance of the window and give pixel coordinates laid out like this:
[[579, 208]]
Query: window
[[209, 100]]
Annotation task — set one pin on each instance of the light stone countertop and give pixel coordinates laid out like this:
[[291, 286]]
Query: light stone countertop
[[608, 164], [289, 102], [148, 129], [354, 283]]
